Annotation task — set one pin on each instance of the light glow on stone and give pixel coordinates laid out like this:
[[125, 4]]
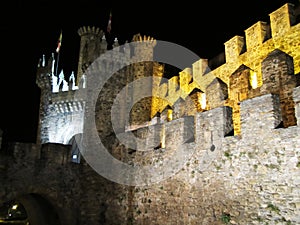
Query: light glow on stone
[[202, 101], [253, 79], [170, 114]]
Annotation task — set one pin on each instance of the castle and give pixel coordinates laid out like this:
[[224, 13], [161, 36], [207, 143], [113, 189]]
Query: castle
[[220, 140]]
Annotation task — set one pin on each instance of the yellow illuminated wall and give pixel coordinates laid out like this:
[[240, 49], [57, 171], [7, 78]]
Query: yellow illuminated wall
[[283, 33]]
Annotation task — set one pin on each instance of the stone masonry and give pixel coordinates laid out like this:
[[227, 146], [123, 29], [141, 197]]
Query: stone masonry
[[236, 128]]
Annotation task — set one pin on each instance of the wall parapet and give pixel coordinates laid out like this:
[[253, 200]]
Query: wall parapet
[[207, 130], [239, 52], [261, 39], [282, 19], [259, 115]]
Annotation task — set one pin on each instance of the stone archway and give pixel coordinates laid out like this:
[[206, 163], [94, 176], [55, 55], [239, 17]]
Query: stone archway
[[32, 209]]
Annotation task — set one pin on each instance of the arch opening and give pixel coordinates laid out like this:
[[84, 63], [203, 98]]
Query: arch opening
[[29, 209]]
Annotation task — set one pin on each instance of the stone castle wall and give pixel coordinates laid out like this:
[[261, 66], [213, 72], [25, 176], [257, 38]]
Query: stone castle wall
[[236, 128], [242, 53], [251, 62], [249, 179], [62, 104]]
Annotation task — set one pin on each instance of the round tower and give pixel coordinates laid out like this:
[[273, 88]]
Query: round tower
[[92, 45], [145, 67], [43, 80]]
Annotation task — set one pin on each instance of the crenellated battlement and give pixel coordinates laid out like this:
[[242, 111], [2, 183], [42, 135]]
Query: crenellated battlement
[[260, 116], [212, 144], [144, 39], [205, 131], [58, 103], [87, 30], [265, 61], [282, 24], [210, 130], [260, 42]]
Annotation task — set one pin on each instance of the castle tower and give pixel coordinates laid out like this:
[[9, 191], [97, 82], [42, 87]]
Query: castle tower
[[140, 56], [61, 113], [43, 80], [92, 45], [143, 54]]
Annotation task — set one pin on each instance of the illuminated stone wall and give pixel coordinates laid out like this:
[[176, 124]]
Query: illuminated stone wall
[[247, 53], [141, 110], [62, 114], [265, 61], [248, 179], [251, 179], [249, 176]]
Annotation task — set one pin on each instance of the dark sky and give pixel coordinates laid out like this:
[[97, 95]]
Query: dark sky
[[30, 28]]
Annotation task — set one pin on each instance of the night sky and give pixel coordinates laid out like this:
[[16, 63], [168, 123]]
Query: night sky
[[30, 28]]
